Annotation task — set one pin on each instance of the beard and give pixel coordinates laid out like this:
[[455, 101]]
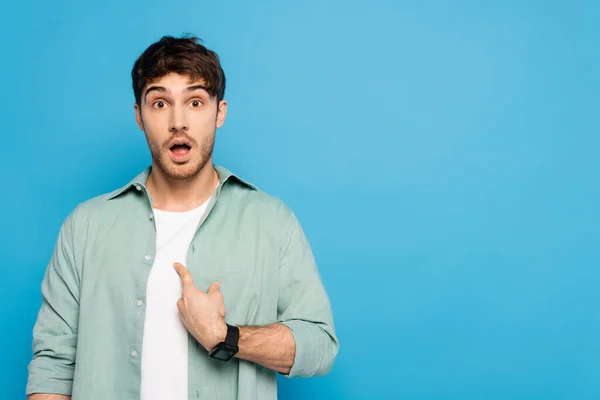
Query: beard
[[200, 154]]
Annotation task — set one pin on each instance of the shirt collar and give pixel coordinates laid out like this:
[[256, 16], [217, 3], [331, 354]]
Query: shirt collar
[[140, 180]]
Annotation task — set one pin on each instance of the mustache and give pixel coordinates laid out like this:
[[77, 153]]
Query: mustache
[[178, 137]]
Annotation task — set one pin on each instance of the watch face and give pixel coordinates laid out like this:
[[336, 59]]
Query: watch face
[[223, 352], [222, 355]]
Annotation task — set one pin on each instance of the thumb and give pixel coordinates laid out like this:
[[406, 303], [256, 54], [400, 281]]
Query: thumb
[[214, 287]]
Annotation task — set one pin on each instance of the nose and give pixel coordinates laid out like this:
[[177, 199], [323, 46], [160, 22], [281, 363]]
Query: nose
[[178, 120]]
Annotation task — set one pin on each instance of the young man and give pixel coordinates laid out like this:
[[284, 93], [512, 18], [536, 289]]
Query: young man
[[188, 282]]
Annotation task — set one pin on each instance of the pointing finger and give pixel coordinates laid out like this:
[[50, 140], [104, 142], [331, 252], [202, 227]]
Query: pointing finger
[[186, 277]]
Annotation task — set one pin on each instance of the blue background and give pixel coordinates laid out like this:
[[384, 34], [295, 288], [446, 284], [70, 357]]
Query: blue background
[[441, 156]]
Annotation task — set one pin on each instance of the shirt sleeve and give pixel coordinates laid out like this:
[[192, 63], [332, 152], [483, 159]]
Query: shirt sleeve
[[55, 332], [303, 304]]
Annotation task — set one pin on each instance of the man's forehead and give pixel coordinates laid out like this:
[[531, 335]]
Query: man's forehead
[[175, 80]]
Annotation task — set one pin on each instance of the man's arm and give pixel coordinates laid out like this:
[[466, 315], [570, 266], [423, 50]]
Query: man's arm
[[45, 396], [302, 343], [55, 332], [271, 346], [303, 305], [203, 314]]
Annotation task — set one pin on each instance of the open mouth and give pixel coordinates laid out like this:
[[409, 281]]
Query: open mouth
[[180, 150]]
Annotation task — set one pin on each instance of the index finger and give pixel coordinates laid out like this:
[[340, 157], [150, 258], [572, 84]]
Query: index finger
[[184, 274]]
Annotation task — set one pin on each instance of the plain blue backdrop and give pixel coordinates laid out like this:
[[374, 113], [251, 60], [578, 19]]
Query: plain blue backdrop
[[441, 156]]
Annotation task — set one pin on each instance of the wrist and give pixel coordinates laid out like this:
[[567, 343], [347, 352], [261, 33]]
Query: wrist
[[220, 334], [228, 347]]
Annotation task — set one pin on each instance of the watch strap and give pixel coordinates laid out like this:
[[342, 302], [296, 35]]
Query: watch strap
[[233, 335]]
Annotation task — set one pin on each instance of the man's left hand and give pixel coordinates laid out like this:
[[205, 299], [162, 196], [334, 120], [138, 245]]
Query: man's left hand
[[202, 313]]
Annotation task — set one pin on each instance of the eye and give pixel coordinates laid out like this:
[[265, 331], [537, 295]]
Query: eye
[[159, 104], [196, 103]]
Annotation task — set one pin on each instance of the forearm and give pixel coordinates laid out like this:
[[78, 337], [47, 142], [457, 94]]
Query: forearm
[[47, 396], [271, 346]]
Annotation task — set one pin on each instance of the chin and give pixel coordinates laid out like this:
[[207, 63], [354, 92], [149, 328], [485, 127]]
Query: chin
[[180, 171]]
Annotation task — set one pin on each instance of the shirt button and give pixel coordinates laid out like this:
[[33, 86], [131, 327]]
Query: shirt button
[[151, 216], [147, 257], [138, 187], [140, 303], [134, 353]]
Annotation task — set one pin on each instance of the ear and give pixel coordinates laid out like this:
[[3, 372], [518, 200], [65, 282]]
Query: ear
[[138, 116], [221, 113]]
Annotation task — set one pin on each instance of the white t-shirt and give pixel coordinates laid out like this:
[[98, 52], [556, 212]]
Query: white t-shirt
[[165, 344]]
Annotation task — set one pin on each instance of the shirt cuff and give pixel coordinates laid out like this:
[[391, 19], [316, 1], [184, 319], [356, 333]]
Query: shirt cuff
[[309, 347], [49, 378]]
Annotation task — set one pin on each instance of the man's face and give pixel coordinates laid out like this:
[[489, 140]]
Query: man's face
[[180, 120]]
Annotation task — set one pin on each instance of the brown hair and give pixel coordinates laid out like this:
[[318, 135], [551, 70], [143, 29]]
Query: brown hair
[[185, 56]]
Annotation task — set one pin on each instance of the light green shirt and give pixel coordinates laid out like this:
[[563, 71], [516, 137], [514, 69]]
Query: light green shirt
[[89, 331]]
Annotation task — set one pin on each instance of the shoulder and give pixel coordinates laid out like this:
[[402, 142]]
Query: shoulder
[[107, 206], [95, 208], [251, 198], [251, 204], [113, 204]]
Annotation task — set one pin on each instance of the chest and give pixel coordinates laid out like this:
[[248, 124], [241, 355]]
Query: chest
[[241, 253]]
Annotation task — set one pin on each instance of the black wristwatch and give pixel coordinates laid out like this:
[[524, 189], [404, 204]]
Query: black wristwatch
[[225, 351]]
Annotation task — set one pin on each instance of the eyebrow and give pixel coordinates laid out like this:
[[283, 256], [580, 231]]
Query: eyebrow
[[163, 89]]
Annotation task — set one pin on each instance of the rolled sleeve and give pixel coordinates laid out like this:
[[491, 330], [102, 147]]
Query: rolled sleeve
[[54, 346], [303, 304]]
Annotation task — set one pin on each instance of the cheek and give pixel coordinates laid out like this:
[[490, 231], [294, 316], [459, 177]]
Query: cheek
[[202, 120], [155, 140], [157, 130], [201, 127], [155, 121]]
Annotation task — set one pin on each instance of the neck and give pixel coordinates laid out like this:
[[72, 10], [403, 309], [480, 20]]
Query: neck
[[178, 195]]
